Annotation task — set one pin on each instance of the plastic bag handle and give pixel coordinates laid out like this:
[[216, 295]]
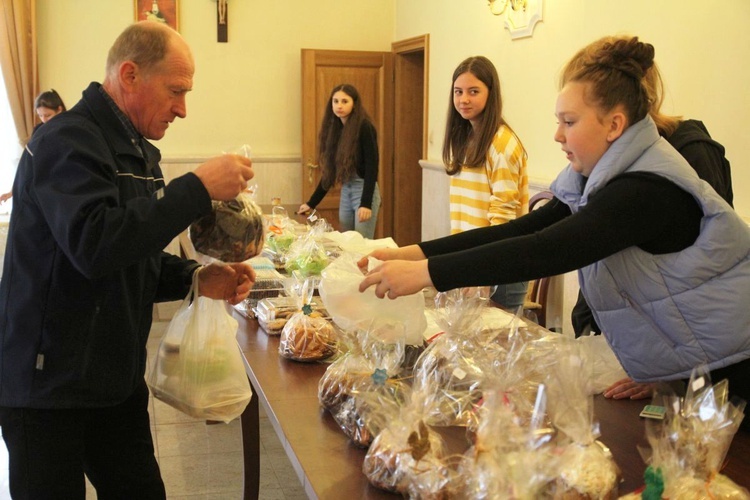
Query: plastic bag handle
[[194, 292]]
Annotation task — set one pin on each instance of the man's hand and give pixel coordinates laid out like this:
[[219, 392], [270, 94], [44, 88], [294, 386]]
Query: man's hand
[[225, 176], [230, 282], [397, 277]]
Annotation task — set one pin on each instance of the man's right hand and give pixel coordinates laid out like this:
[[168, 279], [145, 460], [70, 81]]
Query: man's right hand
[[225, 176]]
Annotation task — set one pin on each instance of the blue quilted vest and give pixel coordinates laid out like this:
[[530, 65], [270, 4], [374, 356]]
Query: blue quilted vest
[[665, 314]]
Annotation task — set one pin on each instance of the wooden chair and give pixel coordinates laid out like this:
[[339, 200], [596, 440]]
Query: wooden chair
[[541, 196], [535, 303]]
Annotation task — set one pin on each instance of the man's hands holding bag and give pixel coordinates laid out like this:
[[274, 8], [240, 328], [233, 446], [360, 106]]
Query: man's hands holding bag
[[230, 282]]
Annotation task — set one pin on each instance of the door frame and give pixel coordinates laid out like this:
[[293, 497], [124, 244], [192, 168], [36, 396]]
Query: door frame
[[403, 214], [419, 43], [382, 116]]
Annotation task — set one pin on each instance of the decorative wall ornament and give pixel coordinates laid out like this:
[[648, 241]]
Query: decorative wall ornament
[[520, 15], [222, 14], [163, 11]]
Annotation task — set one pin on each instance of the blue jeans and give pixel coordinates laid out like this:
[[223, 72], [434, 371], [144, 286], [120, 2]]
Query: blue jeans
[[351, 195], [511, 296]]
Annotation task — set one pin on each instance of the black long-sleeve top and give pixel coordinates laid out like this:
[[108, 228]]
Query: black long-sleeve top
[[367, 167], [639, 209]]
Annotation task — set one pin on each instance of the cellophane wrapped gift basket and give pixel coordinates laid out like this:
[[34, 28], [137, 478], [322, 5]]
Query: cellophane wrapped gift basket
[[688, 448], [587, 468], [408, 456], [453, 365], [308, 254], [306, 336], [361, 388], [232, 232]]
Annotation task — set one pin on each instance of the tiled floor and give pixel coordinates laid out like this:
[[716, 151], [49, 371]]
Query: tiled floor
[[200, 461]]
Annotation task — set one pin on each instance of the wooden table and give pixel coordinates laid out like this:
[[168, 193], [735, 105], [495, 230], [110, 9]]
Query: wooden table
[[329, 466]]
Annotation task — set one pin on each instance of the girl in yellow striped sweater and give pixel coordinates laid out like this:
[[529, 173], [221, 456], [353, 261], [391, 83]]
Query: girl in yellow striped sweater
[[485, 159]]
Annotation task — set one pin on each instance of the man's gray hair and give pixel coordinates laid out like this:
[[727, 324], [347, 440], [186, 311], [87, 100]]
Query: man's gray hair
[[144, 43]]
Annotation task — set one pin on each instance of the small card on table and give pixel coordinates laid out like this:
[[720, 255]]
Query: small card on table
[[653, 411]]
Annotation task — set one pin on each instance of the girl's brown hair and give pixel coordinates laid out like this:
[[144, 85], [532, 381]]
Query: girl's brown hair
[[666, 124], [49, 99], [616, 69], [652, 83], [338, 143], [460, 145]]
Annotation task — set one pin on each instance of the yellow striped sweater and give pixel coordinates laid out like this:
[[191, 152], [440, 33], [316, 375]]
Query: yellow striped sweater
[[495, 192]]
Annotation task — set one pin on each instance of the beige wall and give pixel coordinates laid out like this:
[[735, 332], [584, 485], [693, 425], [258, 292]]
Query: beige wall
[[247, 91], [701, 49], [701, 55]]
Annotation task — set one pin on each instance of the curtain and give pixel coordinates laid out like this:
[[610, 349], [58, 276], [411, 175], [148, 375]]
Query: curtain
[[18, 57]]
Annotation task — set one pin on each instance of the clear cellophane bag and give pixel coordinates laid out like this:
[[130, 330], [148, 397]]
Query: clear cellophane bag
[[361, 388], [453, 364], [688, 448], [306, 336], [587, 468], [512, 455], [408, 456]]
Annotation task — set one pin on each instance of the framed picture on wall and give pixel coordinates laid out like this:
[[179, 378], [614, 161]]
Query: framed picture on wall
[[163, 11]]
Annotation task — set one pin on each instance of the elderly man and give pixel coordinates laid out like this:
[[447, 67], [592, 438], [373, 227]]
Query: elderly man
[[84, 265]]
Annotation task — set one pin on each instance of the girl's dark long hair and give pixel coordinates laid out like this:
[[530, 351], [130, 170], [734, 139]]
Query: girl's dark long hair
[[338, 144], [49, 99], [461, 146]]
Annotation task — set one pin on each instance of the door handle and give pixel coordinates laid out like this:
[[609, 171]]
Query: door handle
[[310, 169]]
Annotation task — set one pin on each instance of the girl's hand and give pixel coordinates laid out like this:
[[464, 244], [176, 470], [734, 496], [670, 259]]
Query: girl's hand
[[304, 208], [627, 388], [411, 252], [364, 214], [397, 277]]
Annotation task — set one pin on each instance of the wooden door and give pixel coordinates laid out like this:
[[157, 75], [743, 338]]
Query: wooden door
[[371, 73], [410, 70]]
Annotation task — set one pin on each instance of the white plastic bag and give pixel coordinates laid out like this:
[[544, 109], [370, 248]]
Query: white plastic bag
[[198, 368], [350, 309], [605, 367]]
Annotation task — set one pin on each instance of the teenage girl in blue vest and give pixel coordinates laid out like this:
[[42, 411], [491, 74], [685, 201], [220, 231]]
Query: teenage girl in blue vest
[[663, 260]]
